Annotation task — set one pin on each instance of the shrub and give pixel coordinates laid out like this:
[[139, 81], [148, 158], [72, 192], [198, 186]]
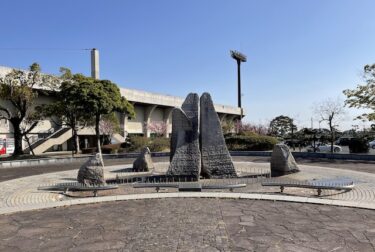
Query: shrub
[[137, 143], [250, 142], [358, 145], [89, 150], [109, 150], [159, 144]]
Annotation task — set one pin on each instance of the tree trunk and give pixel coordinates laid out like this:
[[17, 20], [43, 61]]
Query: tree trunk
[[314, 142], [332, 135], [292, 137], [97, 131], [17, 137], [75, 140], [28, 143]]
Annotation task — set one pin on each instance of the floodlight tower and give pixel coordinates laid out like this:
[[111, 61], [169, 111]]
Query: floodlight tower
[[239, 57]]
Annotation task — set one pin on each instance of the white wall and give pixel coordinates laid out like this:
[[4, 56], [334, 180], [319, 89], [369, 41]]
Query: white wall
[[157, 115], [135, 125]]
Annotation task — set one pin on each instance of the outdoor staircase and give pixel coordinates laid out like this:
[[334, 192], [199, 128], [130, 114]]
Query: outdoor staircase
[[118, 138], [58, 137]]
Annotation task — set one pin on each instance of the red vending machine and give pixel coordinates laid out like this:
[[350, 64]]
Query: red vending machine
[[3, 146]]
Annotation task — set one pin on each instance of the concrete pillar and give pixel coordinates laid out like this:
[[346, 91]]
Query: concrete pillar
[[222, 117], [124, 121], [95, 64], [147, 119], [231, 118], [166, 116]]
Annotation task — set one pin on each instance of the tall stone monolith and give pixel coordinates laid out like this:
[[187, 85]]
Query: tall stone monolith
[[216, 160], [185, 155], [190, 108]]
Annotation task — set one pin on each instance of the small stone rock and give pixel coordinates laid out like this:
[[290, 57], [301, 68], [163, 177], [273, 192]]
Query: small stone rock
[[143, 163], [282, 161], [91, 172]]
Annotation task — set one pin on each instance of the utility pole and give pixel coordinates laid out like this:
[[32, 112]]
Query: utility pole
[[239, 57]]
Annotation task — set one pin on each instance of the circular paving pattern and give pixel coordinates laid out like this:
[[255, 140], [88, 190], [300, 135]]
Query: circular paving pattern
[[22, 193], [190, 224]]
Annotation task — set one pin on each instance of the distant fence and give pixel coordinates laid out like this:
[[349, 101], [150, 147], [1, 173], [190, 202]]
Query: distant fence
[[60, 160], [323, 155]]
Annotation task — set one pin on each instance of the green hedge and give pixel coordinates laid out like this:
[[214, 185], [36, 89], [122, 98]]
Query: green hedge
[[158, 144], [251, 142], [358, 145], [137, 143]]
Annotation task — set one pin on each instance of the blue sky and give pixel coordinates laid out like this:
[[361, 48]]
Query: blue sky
[[299, 51]]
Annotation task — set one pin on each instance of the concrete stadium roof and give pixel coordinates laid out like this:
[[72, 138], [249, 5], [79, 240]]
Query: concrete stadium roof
[[150, 98]]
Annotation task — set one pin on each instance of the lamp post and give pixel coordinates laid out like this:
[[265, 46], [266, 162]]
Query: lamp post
[[239, 57]]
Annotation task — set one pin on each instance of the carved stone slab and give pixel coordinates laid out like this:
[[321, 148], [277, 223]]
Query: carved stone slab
[[216, 160], [190, 108], [282, 161], [144, 162], [186, 160]]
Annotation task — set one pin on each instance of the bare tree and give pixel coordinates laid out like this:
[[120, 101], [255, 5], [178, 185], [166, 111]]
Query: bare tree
[[330, 111], [18, 94]]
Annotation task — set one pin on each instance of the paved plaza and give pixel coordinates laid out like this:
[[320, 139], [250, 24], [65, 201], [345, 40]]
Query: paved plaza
[[22, 193], [214, 220], [190, 225]]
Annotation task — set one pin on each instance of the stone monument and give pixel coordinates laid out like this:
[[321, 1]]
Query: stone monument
[[91, 172], [216, 160], [185, 155], [192, 150], [282, 161], [143, 163]]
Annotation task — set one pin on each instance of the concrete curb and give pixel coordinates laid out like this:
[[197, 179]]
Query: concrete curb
[[220, 195], [59, 160], [64, 160]]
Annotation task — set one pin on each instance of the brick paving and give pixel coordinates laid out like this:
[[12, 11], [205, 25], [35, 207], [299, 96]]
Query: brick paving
[[190, 225]]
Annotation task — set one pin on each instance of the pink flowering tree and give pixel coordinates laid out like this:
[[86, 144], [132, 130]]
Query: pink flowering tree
[[242, 128], [108, 126], [158, 128]]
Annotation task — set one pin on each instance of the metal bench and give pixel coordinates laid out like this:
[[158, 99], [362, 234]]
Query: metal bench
[[156, 185], [319, 185], [75, 186], [187, 186]]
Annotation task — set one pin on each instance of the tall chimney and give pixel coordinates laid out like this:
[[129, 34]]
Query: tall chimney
[[95, 63]]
